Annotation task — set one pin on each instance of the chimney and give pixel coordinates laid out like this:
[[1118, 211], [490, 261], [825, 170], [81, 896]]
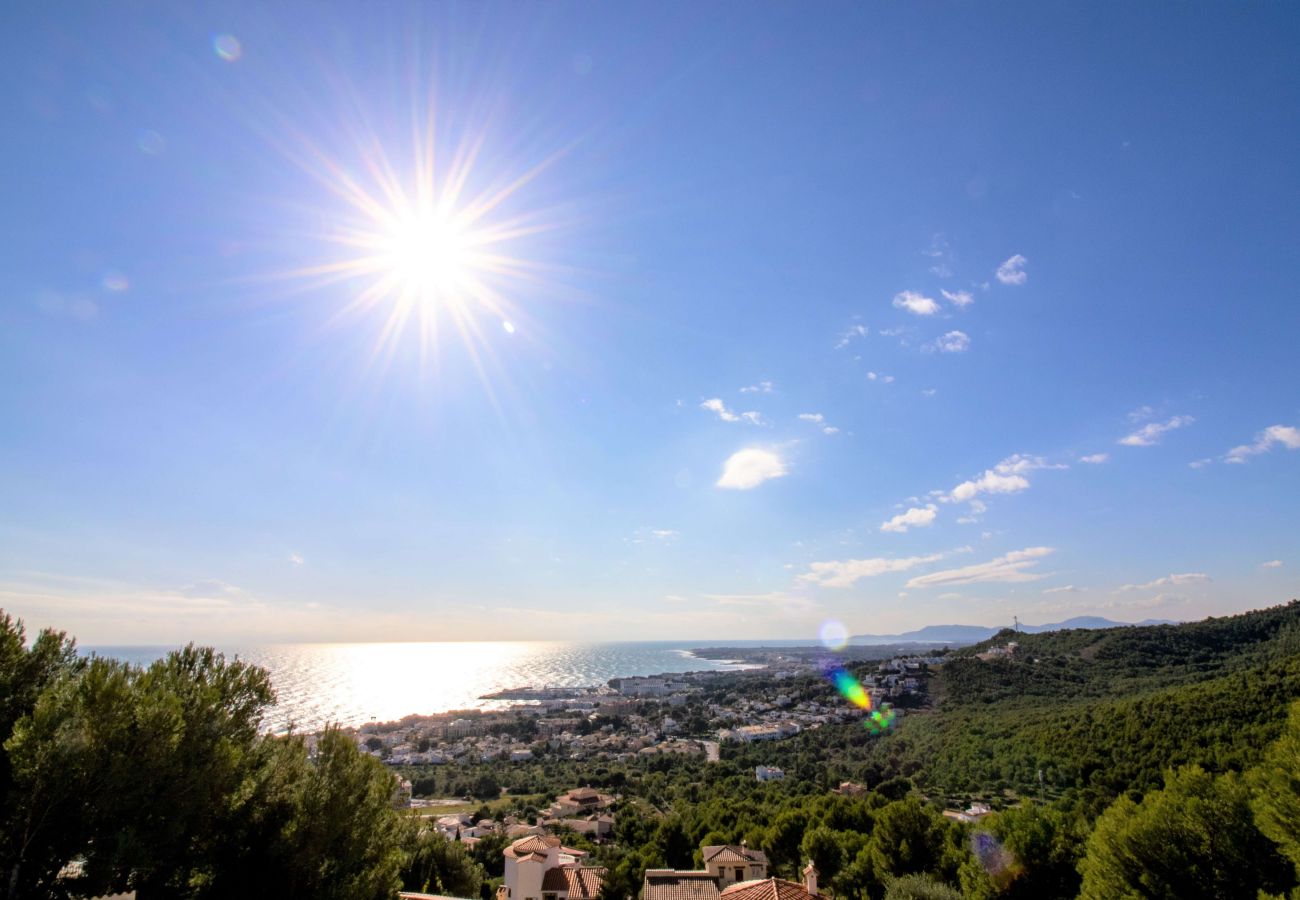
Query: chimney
[[810, 878]]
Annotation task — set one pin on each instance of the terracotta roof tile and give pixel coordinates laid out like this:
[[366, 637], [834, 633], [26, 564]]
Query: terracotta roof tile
[[581, 882], [669, 884], [730, 853], [767, 889]]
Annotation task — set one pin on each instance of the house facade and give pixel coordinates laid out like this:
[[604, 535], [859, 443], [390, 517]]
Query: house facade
[[538, 867]]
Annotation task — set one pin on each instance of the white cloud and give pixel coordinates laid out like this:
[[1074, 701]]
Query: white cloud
[[881, 377], [952, 342], [855, 331], [763, 387], [1095, 458], [1168, 580], [988, 483], [915, 303], [959, 299], [929, 392], [1007, 477], [1151, 433], [715, 405], [819, 419], [916, 517], [1271, 564], [1286, 435], [844, 573], [296, 559], [1013, 270], [1064, 589], [749, 468], [1141, 414], [941, 253], [1004, 569], [664, 534]]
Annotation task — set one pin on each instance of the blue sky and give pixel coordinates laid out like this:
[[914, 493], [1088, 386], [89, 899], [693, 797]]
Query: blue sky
[[889, 315]]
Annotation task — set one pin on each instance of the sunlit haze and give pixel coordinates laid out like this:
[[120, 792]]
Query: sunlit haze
[[415, 322]]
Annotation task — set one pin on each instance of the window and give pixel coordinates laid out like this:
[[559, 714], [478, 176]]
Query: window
[[740, 873]]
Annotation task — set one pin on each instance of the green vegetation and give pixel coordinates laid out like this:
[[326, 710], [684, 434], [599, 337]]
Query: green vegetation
[[157, 780], [1169, 768]]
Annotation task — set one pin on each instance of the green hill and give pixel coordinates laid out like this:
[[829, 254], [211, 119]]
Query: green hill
[[1105, 710]]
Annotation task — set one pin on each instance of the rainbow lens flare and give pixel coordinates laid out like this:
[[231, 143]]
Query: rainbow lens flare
[[878, 720]]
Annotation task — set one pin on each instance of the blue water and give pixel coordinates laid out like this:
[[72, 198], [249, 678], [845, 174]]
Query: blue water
[[356, 683]]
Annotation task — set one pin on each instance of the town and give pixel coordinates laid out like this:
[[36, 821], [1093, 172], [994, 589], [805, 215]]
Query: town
[[691, 713]]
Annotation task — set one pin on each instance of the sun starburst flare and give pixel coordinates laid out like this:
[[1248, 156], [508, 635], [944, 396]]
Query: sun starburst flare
[[417, 249]]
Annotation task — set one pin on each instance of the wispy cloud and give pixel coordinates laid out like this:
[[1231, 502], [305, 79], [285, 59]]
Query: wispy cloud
[[916, 517], [854, 332], [1271, 564], [915, 303], [1064, 589], [941, 253], [1094, 458], [1167, 581], [952, 342], [1275, 435], [1013, 270], [819, 419], [1152, 432], [746, 469], [296, 559], [715, 405], [959, 299], [846, 572], [1007, 477], [1007, 569], [1141, 414], [763, 387], [881, 377]]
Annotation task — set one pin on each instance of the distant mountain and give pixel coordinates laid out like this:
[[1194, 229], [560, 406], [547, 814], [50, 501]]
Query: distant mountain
[[973, 634]]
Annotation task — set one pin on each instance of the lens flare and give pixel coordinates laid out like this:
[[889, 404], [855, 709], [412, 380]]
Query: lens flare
[[834, 635], [997, 861], [422, 235], [852, 690], [227, 47]]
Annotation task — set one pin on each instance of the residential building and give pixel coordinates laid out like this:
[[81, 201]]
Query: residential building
[[536, 869], [768, 773], [731, 872]]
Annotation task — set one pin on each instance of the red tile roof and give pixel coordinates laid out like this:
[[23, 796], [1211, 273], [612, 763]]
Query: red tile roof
[[533, 844], [581, 882], [767, 889], [730, 854], [670, 884]]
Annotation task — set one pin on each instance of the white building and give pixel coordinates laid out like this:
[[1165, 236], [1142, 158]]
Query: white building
[[535, 870]]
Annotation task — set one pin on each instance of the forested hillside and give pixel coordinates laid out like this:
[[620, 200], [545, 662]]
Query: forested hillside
[[1108, 710], [1170, 768]]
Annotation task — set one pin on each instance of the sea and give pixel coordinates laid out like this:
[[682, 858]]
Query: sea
[[352, 684]]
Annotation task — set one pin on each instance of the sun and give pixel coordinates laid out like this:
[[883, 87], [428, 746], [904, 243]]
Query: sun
[[418, 243], [430, 255]]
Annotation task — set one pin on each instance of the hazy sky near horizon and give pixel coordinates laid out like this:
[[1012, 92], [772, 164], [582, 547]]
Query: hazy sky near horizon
[[614, 321]]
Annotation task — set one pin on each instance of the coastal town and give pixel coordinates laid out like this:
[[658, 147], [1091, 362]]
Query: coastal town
[[544, 847], [692, 713]]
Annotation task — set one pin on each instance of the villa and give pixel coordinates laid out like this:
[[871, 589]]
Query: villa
[[731, 872], [539, 868]]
